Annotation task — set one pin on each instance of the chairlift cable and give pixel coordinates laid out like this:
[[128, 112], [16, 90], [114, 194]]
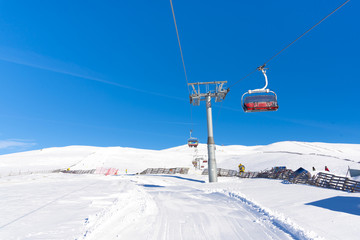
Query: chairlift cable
[[305, 32], [243, 78], [266, 62], [182, 59], [178, 38]]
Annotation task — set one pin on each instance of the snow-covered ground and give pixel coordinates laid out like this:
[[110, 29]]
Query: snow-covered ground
[[130, 206]]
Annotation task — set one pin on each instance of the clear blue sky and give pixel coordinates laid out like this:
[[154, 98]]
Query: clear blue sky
[[109, 73]]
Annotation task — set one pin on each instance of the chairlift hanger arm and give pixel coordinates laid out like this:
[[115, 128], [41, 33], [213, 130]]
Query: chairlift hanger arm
[[260, 90]]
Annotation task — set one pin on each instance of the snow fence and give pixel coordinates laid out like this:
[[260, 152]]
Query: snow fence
[[18, 173], [221, 172], [90, 171], [301, 175], [327, 180], [165, 171]]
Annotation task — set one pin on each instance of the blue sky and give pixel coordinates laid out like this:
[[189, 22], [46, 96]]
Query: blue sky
[[109, 73]]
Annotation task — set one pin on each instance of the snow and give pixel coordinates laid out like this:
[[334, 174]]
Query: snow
[[131, 206]]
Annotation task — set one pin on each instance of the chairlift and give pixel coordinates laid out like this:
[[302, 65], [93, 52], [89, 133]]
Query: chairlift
[[260, 100], [193, 142]]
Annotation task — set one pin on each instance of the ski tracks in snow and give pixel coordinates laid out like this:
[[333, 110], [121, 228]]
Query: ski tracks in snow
[[161, 208], [130, 211], [188, 212], [269, 217]]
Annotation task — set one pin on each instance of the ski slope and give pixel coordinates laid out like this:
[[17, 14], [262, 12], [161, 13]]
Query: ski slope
[[130, 206]]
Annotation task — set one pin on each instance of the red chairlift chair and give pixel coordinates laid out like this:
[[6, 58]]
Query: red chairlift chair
[[193, 142], [260, 100]]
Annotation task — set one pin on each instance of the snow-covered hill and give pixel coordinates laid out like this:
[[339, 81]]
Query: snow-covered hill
[[290, 154], [127, 206]]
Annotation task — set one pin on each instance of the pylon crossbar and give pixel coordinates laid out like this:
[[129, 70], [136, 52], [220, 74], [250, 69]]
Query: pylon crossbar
[[203, 83], [213, 89]]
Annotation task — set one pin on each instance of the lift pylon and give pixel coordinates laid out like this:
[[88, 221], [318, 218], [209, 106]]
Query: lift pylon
[[204, 91]]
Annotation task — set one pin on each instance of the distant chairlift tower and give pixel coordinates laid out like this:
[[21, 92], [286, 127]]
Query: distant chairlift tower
[[211, 90]]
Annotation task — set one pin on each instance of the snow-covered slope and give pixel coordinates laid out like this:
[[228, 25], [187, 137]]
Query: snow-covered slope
[[69, 206]]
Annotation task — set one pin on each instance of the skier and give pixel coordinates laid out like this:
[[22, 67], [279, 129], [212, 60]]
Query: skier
[[326, 169], [241, 168]]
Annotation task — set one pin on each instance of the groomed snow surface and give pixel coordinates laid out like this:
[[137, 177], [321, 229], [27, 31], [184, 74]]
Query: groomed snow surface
[[131, 206]]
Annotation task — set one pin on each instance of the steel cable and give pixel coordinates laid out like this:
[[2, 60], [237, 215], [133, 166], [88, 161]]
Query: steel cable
[[266, 62], [182, 58]]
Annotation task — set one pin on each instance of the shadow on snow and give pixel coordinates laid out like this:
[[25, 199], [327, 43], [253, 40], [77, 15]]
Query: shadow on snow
[[182, 178], [150, 185], [350, 205]]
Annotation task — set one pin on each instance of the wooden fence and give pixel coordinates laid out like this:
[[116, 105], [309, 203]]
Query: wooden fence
[[327, 180], [222, 172], [324, 180], [90, 171], [165, 171], [18, 173]]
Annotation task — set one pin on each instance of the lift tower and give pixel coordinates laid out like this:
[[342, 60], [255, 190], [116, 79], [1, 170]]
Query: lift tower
[[210, 90]]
